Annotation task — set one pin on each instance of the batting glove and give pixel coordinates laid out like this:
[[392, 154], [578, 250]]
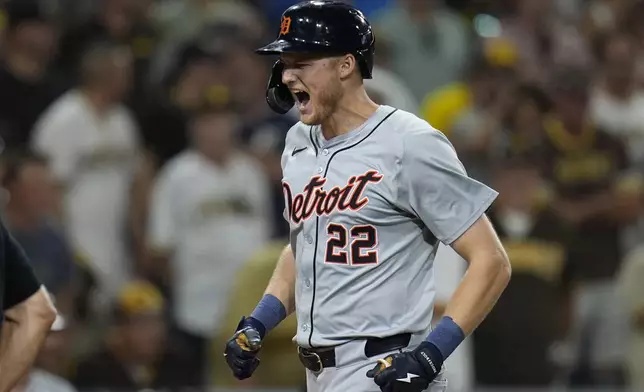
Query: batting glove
[[410, 371], [242, 349]]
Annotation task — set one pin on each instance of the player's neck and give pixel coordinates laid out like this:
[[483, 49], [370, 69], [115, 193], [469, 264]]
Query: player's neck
[[352, 111]]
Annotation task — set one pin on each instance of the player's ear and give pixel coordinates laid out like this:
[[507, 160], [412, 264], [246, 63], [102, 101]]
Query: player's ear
[[346, 64]]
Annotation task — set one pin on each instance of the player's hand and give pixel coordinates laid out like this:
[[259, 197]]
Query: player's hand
[[410, 371], [242, 349]]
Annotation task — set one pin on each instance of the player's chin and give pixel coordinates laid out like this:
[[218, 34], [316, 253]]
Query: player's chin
[[309, 118]]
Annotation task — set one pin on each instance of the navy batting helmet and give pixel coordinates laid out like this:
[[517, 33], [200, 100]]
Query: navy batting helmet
[[318, 27]]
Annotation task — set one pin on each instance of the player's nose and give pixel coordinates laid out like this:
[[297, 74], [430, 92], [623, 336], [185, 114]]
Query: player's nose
[[288, 77]]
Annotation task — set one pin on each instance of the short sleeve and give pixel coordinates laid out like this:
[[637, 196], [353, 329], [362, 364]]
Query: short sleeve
[[434, 186], [162, 225], [21, 282]]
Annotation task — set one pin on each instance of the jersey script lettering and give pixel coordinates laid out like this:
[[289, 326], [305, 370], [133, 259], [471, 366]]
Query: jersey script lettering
[[315, 200]]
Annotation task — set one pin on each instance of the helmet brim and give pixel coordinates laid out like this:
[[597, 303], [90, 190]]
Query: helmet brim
[[275, 47], [292, 46]]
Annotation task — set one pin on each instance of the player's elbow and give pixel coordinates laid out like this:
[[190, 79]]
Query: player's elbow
[[37, 310], [496, 267], [506, 269], [41, 309], [502, 267]]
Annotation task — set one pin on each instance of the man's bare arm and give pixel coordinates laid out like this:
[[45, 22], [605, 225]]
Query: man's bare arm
[[487, 275], [24, 330], [282, 283]]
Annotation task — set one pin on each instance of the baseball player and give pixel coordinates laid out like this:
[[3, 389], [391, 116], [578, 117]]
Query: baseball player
[[370, 192]]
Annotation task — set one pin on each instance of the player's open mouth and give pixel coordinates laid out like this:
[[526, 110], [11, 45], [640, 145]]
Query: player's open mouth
[[302, 99]]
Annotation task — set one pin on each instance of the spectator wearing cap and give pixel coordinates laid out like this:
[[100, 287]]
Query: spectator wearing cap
[[91, 142], [136, 354], [28, 216], [588, 171], [45, 375], [210, 211], [26, 85]]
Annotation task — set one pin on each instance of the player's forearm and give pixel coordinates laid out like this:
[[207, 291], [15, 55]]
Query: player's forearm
[[282, 283], [485, 279], [25, 328], [279, 298]]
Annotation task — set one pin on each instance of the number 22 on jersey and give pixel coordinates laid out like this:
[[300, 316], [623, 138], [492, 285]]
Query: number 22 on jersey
[[361, 240]]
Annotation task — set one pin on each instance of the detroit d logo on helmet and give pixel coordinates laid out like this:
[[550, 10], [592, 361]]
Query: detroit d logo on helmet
[[285, 26]]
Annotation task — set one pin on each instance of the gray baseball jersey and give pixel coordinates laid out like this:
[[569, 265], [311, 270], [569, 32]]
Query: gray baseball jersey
[[367, 210]]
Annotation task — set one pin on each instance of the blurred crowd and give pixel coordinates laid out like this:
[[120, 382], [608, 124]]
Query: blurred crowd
[[141, 174]]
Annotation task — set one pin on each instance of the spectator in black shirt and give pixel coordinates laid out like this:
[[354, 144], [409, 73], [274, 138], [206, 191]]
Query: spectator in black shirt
[[26, 88]]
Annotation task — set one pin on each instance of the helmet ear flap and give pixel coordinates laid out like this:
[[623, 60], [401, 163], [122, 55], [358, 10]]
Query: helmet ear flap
[[278, 96]]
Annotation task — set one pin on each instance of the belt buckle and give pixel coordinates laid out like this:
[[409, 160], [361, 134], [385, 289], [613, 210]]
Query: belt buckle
[[307, 354]]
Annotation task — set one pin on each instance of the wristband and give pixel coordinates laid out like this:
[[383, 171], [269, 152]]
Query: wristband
[[269, 312], [446, 336]]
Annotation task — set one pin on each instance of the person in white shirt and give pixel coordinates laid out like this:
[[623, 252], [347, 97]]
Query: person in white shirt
[[617, 104], [91, 142], [210, 212], [617, 107]]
